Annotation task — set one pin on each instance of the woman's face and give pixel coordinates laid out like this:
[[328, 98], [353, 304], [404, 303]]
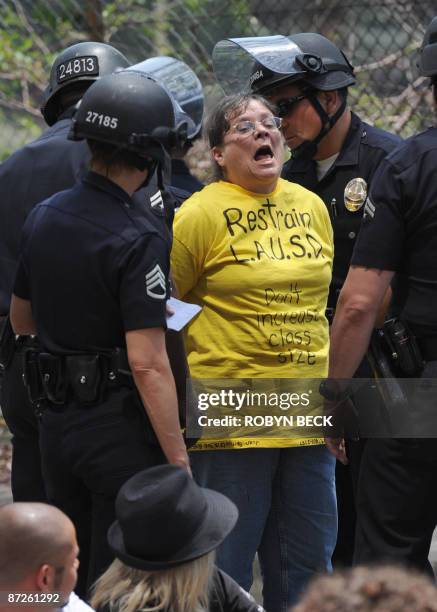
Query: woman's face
[[252, 159]]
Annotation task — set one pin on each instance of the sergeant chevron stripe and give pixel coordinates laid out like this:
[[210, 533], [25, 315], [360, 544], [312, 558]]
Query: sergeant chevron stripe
[[155, 279], [156, 200], [369, 208]]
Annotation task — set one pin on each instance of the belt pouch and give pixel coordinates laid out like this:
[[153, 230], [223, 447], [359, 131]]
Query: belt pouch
[[53, 379], [32, 376], [405, 348], [86, 377]]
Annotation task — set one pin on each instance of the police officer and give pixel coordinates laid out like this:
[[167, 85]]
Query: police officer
[[333, 153], [187, 90], [397, 490], [93, 283], [49, 164]]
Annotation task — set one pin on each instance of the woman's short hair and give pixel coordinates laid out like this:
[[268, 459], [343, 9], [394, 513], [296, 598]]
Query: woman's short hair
[[184, 588], [115, 158], [219, 120]]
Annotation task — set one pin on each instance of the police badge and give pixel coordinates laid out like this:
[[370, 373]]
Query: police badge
[[355, 194]]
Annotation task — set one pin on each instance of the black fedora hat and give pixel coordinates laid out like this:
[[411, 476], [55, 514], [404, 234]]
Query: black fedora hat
[[165, 519]]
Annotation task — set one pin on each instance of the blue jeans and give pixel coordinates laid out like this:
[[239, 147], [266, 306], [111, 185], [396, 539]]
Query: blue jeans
[[288, 514]]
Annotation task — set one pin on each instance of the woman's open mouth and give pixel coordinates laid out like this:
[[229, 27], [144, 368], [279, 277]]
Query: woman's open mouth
[[263, 153]]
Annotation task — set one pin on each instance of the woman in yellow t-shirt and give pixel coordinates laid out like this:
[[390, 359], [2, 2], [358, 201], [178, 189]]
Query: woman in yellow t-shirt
[[255, 251]]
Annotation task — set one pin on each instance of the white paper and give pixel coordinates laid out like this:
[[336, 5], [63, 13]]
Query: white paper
[[183, 313]]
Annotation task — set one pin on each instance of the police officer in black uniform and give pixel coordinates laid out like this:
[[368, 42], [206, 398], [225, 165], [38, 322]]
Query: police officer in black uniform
[[92, 282], [397, 496], [333, 153], [49, 164], [187, 90]]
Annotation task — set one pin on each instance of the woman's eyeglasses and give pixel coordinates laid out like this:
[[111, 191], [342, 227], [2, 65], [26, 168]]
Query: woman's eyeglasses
[[248, 127]]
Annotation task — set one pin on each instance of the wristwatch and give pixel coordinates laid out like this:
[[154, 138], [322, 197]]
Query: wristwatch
[[331, 390]]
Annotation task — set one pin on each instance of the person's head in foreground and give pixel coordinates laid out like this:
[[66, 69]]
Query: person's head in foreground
[[370, 589], [164, 538], [38, 552], [246, 142]]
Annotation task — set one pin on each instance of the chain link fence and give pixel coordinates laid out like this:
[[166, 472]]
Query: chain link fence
[[380, 37]]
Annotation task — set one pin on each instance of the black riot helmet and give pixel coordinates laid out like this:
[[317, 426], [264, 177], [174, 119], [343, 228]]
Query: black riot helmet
[[263, 64], [322, 65], [260, 64], [428, 51], [132, 112], [82, 63]]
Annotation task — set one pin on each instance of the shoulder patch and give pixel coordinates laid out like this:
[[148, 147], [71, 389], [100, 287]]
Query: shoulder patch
[[156, 286]]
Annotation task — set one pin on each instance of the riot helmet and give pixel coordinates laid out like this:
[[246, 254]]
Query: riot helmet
[[83, 63], [260, 64], [131, 112], [263, 64], [428, 51], [183, 85]]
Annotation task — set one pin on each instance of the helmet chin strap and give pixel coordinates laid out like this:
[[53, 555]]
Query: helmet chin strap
[[308, 149]]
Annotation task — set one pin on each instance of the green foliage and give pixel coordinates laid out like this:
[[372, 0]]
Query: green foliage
[[34, 31]]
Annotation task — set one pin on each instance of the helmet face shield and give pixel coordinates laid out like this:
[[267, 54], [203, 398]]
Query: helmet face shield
[[260, 64], [254, 64], [183, 85]]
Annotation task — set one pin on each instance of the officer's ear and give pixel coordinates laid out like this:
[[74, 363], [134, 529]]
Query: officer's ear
[[330, 101]]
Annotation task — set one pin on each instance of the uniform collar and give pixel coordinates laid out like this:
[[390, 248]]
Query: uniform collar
[[178, 166], [349, 154], [68, 113], [103, 184]]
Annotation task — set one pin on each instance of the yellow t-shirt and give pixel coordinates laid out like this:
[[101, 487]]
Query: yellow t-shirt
[[260, 267]]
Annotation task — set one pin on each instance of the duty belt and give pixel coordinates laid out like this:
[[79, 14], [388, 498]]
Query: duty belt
[[85, 378]]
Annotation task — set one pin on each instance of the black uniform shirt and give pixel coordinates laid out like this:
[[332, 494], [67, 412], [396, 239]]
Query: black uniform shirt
[[360, 156], [36, 171], [50, 164], [93, 267], [399, 230]]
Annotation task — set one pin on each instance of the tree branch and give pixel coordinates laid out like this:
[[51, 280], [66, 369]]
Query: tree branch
[[385, 61], [20, 106], [22, 15]]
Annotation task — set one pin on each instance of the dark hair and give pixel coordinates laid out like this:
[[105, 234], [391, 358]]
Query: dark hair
[[218, 121], [114, 157]]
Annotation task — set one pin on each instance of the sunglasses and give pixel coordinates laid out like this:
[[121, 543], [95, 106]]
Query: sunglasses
[[286, 105]]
